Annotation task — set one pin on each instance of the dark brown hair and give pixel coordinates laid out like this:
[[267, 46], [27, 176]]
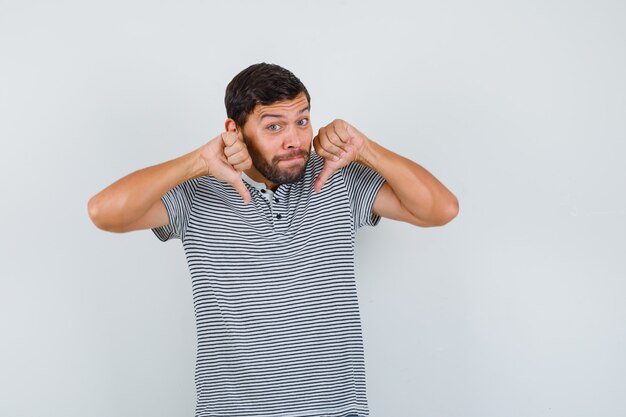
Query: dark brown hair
[[260, 84]]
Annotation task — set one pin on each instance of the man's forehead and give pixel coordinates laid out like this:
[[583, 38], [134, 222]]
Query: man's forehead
[[286, 106]]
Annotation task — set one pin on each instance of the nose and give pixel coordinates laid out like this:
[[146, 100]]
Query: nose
[[291, 138]]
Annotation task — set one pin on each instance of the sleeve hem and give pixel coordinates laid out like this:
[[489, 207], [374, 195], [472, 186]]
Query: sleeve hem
[[166, 232], [374, 219]]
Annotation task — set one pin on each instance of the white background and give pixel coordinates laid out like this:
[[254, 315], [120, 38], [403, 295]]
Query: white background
[[515, 308]]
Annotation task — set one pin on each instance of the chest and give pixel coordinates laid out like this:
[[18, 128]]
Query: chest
[[291, 228]]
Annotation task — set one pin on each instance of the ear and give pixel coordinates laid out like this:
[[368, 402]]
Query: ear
[[230, 125]]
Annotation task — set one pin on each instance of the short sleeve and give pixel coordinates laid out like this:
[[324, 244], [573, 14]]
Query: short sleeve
[[178, 203], [362, 184]]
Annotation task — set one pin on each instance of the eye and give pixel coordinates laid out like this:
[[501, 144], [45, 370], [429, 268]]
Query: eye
[[273, 127], [303, 122]]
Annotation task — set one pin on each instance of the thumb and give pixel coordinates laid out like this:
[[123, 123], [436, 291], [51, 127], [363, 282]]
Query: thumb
[[240, 187], [236, 131], [324, 174], [350, 130]]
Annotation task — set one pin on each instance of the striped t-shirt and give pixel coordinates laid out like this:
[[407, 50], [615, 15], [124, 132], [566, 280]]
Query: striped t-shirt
[[274, 291]]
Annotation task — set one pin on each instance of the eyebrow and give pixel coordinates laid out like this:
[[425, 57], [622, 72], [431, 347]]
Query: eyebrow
[[280, 116]]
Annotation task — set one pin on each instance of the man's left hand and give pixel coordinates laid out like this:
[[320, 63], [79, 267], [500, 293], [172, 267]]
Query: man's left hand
[[339, 143]]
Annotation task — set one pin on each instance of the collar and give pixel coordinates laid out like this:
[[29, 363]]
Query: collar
[[258, 185]]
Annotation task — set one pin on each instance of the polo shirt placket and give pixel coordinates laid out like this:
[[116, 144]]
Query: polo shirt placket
[[277, 206]]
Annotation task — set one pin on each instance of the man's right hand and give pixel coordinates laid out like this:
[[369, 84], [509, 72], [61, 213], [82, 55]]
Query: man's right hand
[[225, 157], [134, 201]]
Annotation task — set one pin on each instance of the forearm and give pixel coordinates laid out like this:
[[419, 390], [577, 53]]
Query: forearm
[[417, 189], [129, 198]]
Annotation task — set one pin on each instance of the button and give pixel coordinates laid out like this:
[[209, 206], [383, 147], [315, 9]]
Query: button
[[275, 199], [278, 216], [262, 190]]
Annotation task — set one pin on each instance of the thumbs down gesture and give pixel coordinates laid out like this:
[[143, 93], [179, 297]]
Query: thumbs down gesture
[[339, 143]]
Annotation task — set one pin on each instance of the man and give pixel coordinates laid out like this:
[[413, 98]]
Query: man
[[268, 227]]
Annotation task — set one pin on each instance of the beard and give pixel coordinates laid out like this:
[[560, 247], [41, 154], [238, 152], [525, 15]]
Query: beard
[[271, 170]]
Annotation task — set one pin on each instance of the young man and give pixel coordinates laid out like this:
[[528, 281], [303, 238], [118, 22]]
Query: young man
[[268, 227]]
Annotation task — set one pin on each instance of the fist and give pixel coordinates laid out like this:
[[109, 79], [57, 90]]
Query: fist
[[225, 157], [339, 143]]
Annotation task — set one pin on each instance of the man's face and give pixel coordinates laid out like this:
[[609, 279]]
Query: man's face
[[278, 137]]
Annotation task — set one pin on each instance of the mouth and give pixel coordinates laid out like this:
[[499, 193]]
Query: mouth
[[293, 159]]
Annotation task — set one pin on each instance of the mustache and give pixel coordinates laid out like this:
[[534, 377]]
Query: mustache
[[302, 153]]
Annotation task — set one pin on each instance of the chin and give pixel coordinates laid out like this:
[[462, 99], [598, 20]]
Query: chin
[[289, 177]]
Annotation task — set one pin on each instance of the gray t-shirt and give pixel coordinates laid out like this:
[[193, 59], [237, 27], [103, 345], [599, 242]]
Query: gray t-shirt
[[274, 291]]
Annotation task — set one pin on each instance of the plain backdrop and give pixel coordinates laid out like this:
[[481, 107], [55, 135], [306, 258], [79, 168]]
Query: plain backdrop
[[515, 308]]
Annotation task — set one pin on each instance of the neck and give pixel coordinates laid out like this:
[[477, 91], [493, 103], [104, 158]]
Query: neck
[[256, 175]]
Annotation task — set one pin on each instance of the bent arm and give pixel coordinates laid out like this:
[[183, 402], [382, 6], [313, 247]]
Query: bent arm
[[134, 201], [411, 193]]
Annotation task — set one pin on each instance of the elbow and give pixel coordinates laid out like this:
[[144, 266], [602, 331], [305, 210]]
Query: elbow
[[95, 211], [451, 212], [446, 215]]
